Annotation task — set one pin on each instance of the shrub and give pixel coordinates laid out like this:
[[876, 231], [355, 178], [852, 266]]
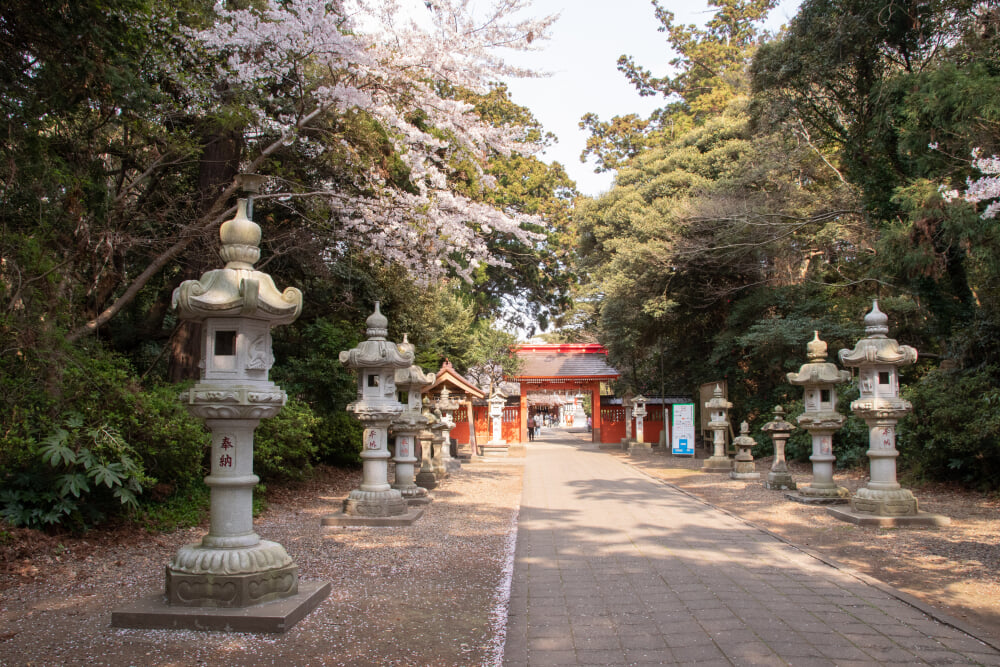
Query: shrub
[[339, 439], [80, 474], [953, 432], [284, 445]]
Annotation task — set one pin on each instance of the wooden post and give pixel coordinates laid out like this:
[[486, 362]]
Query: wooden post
[[595, 410]]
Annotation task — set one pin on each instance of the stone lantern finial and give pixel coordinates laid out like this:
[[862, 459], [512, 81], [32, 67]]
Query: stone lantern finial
[[876, 322], [378, 325], [816, 348], [240, 239]]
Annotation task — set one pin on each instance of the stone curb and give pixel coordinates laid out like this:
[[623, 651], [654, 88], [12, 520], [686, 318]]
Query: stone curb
[[923, 607]]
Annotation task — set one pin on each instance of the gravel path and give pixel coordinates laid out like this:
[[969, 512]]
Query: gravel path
[[429, 594]]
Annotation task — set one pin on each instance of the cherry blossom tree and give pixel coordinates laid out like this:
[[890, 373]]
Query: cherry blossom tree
[[285, 69], [984, 188]]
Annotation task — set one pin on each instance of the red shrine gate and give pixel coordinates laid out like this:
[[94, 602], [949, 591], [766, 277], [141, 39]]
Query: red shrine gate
[[580, 368]]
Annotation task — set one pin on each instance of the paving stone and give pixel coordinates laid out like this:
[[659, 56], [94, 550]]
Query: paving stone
[[613, 568]]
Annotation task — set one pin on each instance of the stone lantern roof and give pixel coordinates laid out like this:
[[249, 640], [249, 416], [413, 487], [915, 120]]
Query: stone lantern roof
[[778, 425], [377, 352], [818, 370], [876, 348], [717, 402], [238, 290]]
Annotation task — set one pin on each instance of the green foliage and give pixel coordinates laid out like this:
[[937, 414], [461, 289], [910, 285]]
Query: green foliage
[[338, 438], [284, 445], [182, 508], [954, 430], [81, 474]]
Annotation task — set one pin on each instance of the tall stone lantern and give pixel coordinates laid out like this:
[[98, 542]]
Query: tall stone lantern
[[231, 568], [447, 405], [779, 479], [497, 445], [426, 477], [820, 378], [376, 361], [639, 412], [743, 465], [406, 429], [878, 358], [718, 413]]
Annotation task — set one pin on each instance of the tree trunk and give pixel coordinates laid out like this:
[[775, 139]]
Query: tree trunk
[[218, 167]]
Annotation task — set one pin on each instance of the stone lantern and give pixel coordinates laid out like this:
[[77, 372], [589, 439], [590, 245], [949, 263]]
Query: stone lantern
[[497, 445], [406, 429], [743, 465], [639, 412], [820, 377], [779, 479], [426, 477], [718, 414], [376, 361], [447, 405], [232, 569], [878, 358]]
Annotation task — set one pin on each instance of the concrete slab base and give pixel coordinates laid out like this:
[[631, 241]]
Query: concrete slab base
[[495, 451], [419, 501], [153, 613], [904, 521], [817, 500], [405, 519]]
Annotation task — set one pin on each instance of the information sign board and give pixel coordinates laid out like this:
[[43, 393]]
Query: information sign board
[[682, 432]]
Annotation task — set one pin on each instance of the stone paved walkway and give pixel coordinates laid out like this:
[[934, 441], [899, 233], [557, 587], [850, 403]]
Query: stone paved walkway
[[614, 568]]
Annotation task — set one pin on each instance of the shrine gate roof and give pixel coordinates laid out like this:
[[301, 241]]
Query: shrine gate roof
[[449, 377], [564, 362]]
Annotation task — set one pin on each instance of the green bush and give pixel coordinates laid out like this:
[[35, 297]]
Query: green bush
[[339, 438], [953, 432], [172, 443], [82, 473], [283, 445], [111, 430]]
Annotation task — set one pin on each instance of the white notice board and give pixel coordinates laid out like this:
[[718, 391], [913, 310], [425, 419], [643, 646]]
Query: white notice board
[[682, 432]]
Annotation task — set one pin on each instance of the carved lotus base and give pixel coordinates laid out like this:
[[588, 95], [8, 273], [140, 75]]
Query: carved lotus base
[[824, 491], [899, 502], [374, 503], [198, 559], [231, 590]]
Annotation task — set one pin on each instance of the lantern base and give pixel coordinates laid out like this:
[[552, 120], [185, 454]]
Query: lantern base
[[744, 470], [779, 481], [821, 495], [427, 479], [407, 518], [374, 503], [245, 589], [717, 464], [884, 521], [897, 502], [152, 612], [639, 448], [495, 449]]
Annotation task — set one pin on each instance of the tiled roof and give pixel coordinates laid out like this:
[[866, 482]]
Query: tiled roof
[[537, 362], [456, 383]]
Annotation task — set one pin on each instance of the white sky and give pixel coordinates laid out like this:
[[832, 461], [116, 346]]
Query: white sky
[[586, 42]]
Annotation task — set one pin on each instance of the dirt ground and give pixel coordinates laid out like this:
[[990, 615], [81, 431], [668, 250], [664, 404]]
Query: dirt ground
[[427, 594], [954, 568]]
